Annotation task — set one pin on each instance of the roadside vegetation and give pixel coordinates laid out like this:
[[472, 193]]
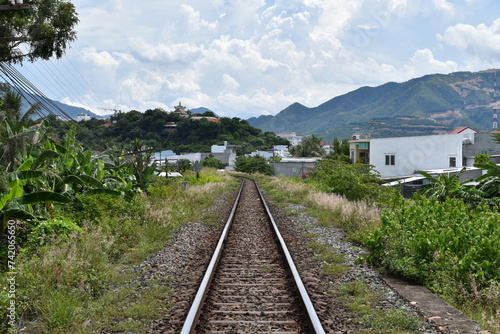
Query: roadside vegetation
[[72, 219], [70, 273], [446, 237]]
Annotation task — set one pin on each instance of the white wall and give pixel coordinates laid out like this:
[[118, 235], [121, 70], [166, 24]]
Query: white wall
[[415, 153]]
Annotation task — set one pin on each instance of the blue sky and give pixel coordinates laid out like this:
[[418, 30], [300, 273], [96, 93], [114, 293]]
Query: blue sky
[[245, 58]]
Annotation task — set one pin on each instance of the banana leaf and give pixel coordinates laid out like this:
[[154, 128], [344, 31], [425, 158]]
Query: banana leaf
[[43, 197]]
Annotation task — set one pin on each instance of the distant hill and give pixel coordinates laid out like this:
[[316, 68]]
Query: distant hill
[[431, 104], [56, 107], [200, 110]]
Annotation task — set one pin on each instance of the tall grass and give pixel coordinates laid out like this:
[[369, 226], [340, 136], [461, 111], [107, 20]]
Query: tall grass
[[74, 282], [357, 218]]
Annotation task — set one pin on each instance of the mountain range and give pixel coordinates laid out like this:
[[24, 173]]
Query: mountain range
[[432, 104]]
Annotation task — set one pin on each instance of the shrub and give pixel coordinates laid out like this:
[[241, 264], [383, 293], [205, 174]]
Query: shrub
[[51, 229], [444, 245], [354, 181], [253, 164]]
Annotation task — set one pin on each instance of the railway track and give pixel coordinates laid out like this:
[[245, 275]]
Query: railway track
[[251, 284]]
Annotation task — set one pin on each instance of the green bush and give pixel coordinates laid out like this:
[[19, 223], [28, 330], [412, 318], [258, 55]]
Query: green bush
[[51, 229], [445, 245], [354, 181], [253, 164]]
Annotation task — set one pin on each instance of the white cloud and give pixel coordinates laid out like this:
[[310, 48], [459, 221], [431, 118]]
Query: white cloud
[[480, 41], [445, 6], [102, 58], [194, 20], [230, 83], [246, 58], [423, 62]]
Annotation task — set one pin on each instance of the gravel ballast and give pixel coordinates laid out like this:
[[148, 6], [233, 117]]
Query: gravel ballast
[[185, 258]]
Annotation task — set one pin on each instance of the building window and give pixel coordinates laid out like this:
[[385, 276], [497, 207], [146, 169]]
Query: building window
[[453, 162], [390, 159]]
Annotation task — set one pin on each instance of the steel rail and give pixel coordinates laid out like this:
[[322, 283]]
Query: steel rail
[[313, 316], [191, 318]]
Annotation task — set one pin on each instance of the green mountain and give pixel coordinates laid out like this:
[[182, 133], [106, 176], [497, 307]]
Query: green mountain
[[431, 104]]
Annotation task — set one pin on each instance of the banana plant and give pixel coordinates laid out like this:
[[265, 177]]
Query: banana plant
[[16, 203], [489, 182]]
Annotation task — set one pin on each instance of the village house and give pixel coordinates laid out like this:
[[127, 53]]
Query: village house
[[402, 157], [291, 137]]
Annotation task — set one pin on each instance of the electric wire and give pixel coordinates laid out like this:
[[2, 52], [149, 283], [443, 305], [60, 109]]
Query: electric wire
[[92, 93], [25, 87]]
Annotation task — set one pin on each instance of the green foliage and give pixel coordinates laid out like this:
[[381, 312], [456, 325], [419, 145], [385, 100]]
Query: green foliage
[[184, 165], [332, 263], [446, 245], [489, 183], [371, 314], [308, 147], [253, 164], [52, 229], [189, 135], [340, 150], [447, 186], [212, 162], [481, 158], [46, 28], [207, 175], [354, 181]]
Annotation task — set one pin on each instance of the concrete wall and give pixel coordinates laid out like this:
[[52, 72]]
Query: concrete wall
[[293, 167], [415, 153], [483, 144]]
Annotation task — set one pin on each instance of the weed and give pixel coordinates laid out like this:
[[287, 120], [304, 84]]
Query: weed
[[332, 262], [335, 269], [310, 235], [265, 268], [59, 309], [364, 303], [210, 219]]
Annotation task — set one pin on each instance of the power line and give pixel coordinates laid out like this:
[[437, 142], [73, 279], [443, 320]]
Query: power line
[[24, 87]]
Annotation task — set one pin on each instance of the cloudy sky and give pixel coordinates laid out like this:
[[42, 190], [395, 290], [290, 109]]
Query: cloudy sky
[[245, 58]]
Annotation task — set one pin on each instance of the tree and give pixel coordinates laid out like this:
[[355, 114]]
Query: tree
[[354, 181], [212, 162], [308, 147], [447, 186], [253, 164], [184, 164], [340, 150], [45, 28], [15, 127], [489, 182]]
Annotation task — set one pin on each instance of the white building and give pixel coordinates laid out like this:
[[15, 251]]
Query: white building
[[83, 117], [403, 156], [291, 137]]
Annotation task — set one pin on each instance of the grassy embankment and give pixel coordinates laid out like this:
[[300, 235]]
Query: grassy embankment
[[449, 247], [71, 279], [71, 273]]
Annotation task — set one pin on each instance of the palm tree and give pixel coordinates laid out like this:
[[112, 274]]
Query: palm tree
[[16, 127], [447, 186], [309, 147], [489, 182]]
